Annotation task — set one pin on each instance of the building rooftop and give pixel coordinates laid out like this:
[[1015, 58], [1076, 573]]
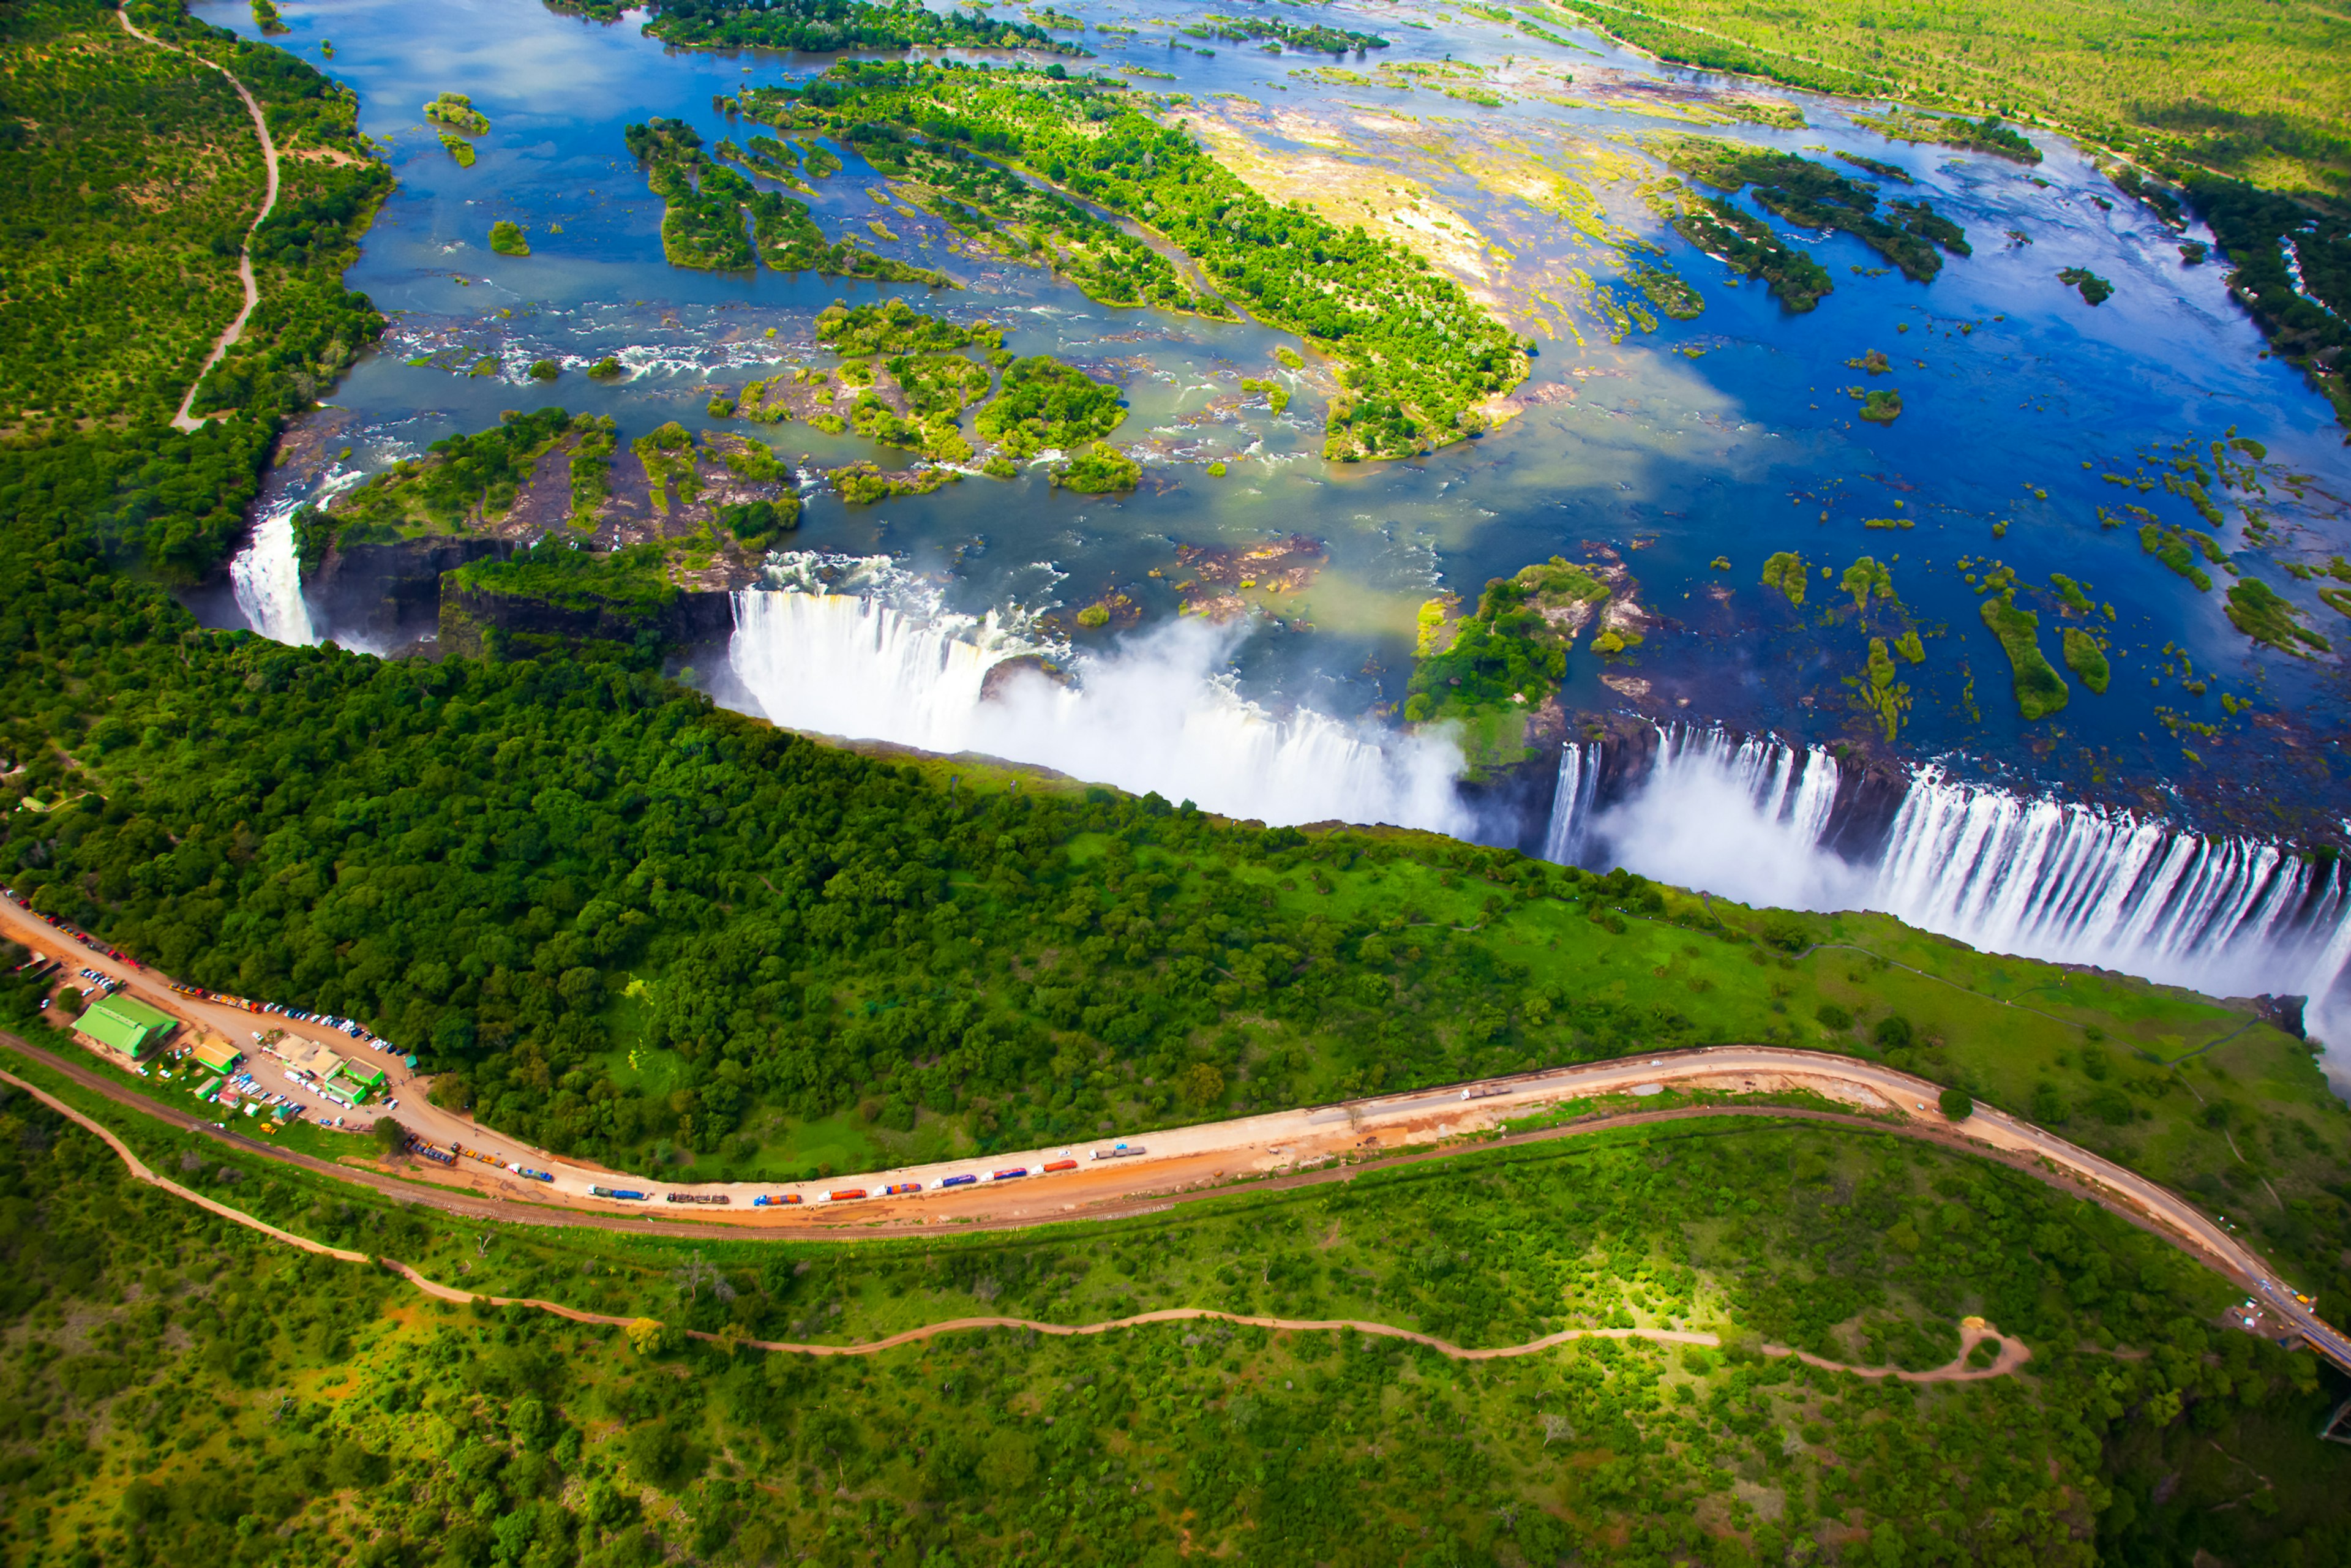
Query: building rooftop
[[124, 1024], [139, 1012]]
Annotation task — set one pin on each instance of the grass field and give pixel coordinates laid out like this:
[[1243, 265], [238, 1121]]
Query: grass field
[[2252, 90], [349, 1420]]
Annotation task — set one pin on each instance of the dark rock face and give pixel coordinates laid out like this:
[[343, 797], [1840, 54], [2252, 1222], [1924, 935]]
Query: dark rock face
[[1001, 675], [1513, 806], [1868, 797], [2284, 1012], [467, 617], [388, 595]]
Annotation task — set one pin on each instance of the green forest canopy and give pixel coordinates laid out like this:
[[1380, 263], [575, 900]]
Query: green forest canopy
[[463, 1438]]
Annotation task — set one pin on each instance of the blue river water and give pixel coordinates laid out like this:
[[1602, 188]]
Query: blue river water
[[1730, 436]]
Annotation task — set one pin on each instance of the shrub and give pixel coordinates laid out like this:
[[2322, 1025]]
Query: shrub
[[1957, 1105]]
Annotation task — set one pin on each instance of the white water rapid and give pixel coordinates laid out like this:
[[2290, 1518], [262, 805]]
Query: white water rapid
[[1747, 818], [267, 578], [880, 659]]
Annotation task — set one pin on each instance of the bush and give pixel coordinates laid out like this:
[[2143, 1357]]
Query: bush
[[1894, 1033], [1957, 1105], [1834, 1017]]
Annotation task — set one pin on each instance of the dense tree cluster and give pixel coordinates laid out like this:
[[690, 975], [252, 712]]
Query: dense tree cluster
[[133, 173], [464, 1436], [119, 232], [702, 218], [1815, 196], [1508, 652], [1419, 354], [1046, 403], [824, 26], [2257, 229]]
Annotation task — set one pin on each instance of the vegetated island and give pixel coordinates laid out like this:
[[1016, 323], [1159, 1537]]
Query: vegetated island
[[1417, 356], [1802, 191], [703, 203], [2040, 689], [1312, 37], [908, 385], [1491, 669], [2094, 290], [821, 26], [1988, 134]]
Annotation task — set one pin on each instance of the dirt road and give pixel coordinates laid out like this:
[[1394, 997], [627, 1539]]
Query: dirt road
[[185, 418], [2012, 1355], [1284, 1147]]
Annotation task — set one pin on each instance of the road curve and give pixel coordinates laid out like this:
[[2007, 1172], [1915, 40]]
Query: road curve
[[184, 419], [2012, 1355], [1987, 1134]]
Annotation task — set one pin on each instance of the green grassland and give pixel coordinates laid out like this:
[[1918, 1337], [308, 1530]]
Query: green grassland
[[2247, 88], [184, 1391]]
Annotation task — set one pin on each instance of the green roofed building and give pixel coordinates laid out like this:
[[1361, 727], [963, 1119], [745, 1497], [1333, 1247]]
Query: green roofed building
[[125, 1025], [356, 1082], [219, 1055]]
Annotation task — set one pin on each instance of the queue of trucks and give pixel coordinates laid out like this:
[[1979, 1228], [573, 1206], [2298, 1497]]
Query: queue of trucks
[[853, 1194]]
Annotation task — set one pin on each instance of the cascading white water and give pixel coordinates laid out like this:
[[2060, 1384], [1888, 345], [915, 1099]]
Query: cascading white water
[[266, 575], [1570, 806], [1747, 818], [889, 665]]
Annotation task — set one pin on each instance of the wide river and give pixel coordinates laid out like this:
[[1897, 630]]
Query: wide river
[[1514, 160]]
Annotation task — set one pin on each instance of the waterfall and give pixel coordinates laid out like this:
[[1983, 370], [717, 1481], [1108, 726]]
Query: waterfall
[[872, 654], [1750, 819], [1570, 805], [266, 575]]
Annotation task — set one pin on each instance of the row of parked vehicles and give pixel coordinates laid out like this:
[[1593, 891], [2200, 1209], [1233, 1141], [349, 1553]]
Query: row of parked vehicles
[[84, 937], [852, 1193], [222, 999]]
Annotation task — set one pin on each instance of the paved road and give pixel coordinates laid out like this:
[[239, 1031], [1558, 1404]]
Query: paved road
[[2012, 1355], [185, 418], [1282, 1146]]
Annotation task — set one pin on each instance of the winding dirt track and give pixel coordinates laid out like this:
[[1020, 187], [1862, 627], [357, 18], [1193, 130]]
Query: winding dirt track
[[185, 418], [2013, 1352]]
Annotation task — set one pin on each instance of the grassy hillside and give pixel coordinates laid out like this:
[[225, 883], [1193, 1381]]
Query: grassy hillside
[[2247, 88], [187, 1392]]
